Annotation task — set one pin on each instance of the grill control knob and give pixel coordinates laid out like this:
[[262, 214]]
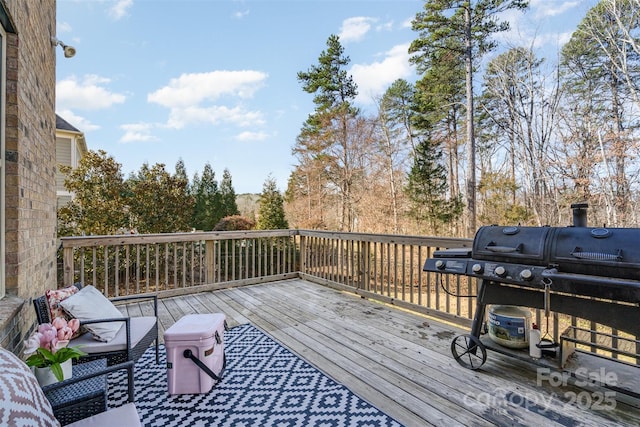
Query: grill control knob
[[526, 274], [477, 268], [500, 271], [440, 265]]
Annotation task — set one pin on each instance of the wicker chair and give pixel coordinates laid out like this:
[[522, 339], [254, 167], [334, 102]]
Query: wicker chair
[[74, 399], [129, 344], [23, 402]]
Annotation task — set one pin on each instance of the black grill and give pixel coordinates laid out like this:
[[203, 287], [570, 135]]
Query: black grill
[[591, 273]]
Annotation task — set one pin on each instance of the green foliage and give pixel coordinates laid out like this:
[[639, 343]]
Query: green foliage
[[500, 206], [98, 206], [149, 201], [443, 24], [158, 202], [325, 147], [43, 358], [427, 188], [329, 81], [396, 110], [271, 214], [207, 210], [228, 196]]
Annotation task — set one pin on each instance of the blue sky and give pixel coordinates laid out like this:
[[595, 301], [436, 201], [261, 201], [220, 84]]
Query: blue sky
[[215, 81]]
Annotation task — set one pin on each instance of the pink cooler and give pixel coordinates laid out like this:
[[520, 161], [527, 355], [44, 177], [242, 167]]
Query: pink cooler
[[195, 353]]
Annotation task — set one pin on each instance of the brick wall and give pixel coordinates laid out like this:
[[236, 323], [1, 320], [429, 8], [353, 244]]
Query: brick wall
[[30, 196]]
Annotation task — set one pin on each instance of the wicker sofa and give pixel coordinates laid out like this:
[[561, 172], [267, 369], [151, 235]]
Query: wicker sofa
[[129, 343]]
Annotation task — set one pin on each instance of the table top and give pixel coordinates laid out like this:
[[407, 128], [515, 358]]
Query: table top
[[82, 390]]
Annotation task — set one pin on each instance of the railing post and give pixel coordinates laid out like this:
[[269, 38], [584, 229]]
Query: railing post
[[303, 254], [209, 261], [67, 262], [364, 265]]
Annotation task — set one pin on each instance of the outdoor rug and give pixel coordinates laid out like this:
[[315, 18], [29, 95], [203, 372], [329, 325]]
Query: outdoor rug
[[264, 385]]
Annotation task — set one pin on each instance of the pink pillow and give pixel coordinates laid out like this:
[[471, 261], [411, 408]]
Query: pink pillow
[[54, 298]]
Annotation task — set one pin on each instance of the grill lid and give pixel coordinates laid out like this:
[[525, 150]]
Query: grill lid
[[524, 245], [611, 252]]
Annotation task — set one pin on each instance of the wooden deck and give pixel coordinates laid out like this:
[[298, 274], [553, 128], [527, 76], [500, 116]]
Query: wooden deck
[[401, 362]]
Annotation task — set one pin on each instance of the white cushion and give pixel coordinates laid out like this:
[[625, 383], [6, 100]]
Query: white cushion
[[90, 304], [123, 416], [140, 326]]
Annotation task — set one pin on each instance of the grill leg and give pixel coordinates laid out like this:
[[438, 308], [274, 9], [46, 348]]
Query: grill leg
[[478, 318], [467, 349]]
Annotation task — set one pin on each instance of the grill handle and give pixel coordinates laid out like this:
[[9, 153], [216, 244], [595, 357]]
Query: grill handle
[[492, 247], [553, 274], [596, 256]]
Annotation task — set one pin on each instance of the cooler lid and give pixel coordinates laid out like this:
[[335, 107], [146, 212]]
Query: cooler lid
[[194, 327]]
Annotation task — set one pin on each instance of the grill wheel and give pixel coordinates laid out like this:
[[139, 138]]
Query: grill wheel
[[465, 350]]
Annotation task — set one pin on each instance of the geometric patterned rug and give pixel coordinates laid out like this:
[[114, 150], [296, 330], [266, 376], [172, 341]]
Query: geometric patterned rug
[[264, 384]]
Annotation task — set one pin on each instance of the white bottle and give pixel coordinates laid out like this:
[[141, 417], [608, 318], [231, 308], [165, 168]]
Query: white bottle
[[534, 340]]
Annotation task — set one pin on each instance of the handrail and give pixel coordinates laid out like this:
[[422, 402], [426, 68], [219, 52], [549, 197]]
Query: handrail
[[381, 266]]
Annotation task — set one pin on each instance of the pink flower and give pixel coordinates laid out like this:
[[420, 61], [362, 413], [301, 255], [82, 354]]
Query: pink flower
[[44, 327], [47, 337], [59, 323], [65, 333], [58, 344], [32, 344], [74, 324]]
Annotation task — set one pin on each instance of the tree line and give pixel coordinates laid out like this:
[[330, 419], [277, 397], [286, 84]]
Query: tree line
[[515, 139], [153, 200], [538, 136]]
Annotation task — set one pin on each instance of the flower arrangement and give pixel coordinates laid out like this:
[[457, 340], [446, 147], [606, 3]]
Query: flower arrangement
[[47, 346]]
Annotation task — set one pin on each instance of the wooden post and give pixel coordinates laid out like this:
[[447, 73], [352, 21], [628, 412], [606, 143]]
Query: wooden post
[[209, 261], [303, 254], [67, 262]]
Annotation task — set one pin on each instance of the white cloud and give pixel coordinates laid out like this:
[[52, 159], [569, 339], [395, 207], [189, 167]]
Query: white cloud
[[120, 9], [192, 89], [373, 79], [547, 8], [385, 26], [241, 14], [88, 93], [251, 136], [78, 122], [181, 117], [135, 132], [537, 28], [198, 98], [354, 29]]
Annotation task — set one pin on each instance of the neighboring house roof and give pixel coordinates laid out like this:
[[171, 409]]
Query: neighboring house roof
[[62, 124]]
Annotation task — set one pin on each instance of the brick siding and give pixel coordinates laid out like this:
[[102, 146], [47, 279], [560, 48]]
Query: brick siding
[[30, 195]]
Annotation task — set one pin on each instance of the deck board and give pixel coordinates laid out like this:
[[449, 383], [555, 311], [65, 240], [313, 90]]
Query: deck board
[[397, 360]]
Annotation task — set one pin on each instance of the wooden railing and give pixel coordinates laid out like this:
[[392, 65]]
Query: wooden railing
[[178, 263], [388, 267], [384, 267]]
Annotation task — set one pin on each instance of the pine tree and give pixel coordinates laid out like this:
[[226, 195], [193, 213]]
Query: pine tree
[[271, 210], [157, 201], [427, 188], [228, 196], [325, 141], [463, 28], [207, 209]]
